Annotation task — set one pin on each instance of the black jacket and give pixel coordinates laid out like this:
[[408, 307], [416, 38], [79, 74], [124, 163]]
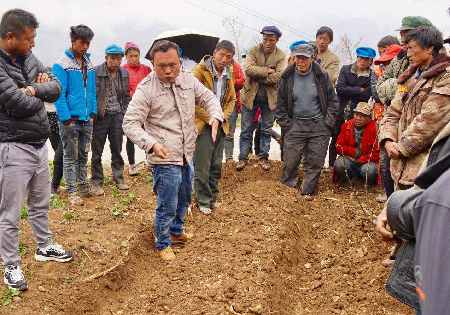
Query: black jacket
[[101, 74], [285, 105], [23, 118], [349, 84]]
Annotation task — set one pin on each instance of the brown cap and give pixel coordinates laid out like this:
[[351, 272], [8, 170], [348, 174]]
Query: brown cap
[[363, 108]]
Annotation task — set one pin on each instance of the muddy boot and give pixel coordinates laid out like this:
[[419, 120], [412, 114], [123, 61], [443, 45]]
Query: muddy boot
[[85, 190], [241, 165], [265, 164], [75, 199], [97, 190], [122, 186]]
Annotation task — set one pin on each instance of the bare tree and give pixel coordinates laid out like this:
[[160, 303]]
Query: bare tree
[[346, 49], [234, 27]]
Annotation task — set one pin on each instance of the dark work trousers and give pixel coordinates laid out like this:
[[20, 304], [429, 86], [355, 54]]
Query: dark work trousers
[[130, 152], [55, 141], [307, 139], [109, 126], [208, 158], [332, 148], [385, 172]]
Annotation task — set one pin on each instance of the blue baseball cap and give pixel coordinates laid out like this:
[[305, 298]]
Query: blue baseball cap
[[271, 30], [296, 44], [365, 52], [114, 50]]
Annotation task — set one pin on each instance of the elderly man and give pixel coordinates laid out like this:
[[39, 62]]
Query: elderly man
[[24, 175], [264, 65], [215, 72], [161, 120], [112, 102], [307, 106], [357, 146]]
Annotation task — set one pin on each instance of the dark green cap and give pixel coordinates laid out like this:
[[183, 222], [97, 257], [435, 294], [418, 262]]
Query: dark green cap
[[413, 22]]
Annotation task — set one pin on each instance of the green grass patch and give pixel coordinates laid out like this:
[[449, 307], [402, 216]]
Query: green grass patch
[[24, 213], [56, 202], [68, 216], [8, 296], [23, 249]]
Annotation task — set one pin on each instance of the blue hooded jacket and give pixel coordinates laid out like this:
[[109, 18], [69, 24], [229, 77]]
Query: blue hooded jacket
[[78, 98]]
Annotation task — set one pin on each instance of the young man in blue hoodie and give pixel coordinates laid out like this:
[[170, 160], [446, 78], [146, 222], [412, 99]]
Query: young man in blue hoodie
[[76, 108]]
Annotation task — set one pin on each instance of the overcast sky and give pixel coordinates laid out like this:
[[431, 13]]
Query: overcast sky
[[141, 20]]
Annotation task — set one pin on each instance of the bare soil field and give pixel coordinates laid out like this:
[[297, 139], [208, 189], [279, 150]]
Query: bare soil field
[[261, 252]]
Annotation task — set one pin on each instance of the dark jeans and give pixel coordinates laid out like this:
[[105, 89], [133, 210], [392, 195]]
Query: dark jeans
[[208, 166], [347, 169], [229, 138], [76, 139], [110, 126], [173, 187], [248, 126], [58, 165], [130, 152], [385, 172], [306, 139]]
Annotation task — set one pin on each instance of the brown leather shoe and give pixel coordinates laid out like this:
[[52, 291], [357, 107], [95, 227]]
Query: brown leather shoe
[[167, 254], [182, 238], [122, 186]]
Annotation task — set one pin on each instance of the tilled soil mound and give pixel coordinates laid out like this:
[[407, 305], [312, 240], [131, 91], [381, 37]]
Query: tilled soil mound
[[261, 252]]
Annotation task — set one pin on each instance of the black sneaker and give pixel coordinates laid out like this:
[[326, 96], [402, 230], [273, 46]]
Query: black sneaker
[[53, 252], [13, 278]]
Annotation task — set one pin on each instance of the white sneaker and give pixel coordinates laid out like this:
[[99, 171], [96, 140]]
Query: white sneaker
[[53, 252], [14, 278], [205, 210]]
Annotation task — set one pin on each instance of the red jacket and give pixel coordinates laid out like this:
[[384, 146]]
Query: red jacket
[[239, 80], [346, 144], [135, 75]]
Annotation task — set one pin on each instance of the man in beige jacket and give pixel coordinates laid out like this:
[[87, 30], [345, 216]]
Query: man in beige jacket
[[161, 120], [264, 65], [327, 59]]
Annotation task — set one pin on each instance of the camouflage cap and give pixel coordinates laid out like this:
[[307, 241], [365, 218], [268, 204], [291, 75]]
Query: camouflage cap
[[363, 108], [412, 22]]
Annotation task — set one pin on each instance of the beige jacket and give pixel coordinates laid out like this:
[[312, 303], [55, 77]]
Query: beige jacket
[[330, 63], [164, 113], [256, 70]]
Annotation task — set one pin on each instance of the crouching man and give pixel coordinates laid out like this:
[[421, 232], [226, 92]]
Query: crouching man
[[357, 145], [161, 120], [24, 130]]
